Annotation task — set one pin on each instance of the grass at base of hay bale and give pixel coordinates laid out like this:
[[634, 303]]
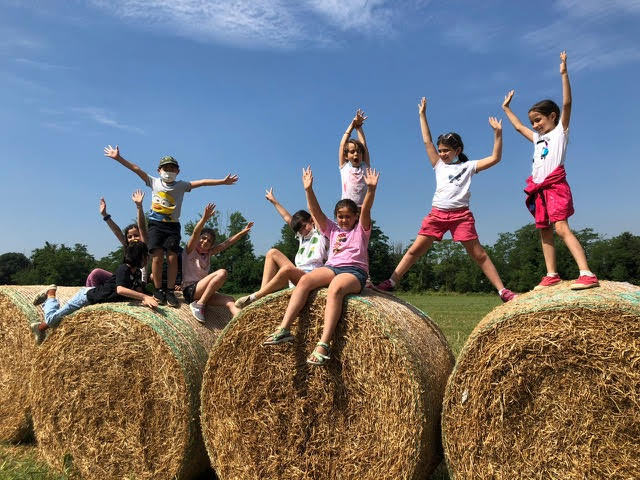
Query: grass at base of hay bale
[[547, 387]]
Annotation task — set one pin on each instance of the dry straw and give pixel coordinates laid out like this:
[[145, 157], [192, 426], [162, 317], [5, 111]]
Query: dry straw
[[548, 386], [372, 413], [17, 351], [116, 390]]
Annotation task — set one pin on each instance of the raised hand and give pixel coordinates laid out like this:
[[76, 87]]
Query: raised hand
[[137, 197], [103, 207], [507, 99], [359, 119], [247, 228], [422, 106], [307, 178], [371, 177], [270, 196], [111, 152], [209, 211], [495, 124], [230, 179], [563, 62]]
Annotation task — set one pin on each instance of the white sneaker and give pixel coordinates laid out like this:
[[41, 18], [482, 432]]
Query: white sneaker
[[197, 312], [243, 301], [42, 294]]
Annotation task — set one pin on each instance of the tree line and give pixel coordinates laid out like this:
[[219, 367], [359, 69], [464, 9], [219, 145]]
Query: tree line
[[446, 267]]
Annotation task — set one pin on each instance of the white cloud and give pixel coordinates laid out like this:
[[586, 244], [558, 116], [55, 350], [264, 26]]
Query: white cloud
[[280, 24], [597, 8], [104, 117]]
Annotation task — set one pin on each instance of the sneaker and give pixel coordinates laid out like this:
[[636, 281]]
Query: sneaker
[[281, 335], [42, 294], [585, 281], [160, 295], [507, 295], [197, 311], [38, 335], [243, 301], [548, 281], [385, 286], [172, 301]]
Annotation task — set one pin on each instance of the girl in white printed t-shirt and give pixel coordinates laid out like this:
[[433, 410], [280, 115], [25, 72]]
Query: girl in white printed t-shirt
[[451, 203]]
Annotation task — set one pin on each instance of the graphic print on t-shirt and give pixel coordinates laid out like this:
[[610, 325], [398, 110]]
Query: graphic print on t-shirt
[[455, 179], [163, 204], [338, 245], [542, 146]]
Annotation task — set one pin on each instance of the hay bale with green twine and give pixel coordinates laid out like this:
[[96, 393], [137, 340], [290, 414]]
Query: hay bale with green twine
[[116, 390], [373, 412], [17, 351], [548, 386]]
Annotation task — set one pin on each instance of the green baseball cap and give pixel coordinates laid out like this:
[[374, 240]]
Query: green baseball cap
[[168, 160]]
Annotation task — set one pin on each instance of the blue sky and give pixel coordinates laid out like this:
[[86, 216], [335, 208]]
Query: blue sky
[[262, 88]]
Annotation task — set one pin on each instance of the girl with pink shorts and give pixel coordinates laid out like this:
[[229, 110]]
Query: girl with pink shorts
[[450, 210]]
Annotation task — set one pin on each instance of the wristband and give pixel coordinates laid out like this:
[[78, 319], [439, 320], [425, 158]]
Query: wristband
[[106, 217]]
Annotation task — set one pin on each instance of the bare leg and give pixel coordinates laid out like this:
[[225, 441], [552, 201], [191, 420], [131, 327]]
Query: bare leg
[[172, 269], [479, 255], [209, 285], [420, 246], [273, 261], [341, 285], [280, 280], [548, 249], [156, 267], [573, 244], [320, 277], [222, 300]]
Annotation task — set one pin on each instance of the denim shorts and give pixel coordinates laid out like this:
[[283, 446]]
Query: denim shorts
[[189, 291], [359, 273]]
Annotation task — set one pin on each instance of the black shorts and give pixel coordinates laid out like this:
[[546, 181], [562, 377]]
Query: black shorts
[[164, 235], [188, 292]]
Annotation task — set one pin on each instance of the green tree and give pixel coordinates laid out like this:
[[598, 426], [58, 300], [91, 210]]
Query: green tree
[[288, 243], [10, 264], [380, 262], [61, 265]]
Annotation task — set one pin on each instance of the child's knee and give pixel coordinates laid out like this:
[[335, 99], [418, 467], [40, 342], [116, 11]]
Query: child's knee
[[157, 253], [562, 229], [272, 253], [222, 273]]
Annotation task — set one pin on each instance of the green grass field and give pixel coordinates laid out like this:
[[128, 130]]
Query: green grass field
[[456, 315]]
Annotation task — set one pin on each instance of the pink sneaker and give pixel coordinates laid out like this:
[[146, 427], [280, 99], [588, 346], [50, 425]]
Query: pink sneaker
[[507, 295], [585, 281], [548, 281], [385, 286]]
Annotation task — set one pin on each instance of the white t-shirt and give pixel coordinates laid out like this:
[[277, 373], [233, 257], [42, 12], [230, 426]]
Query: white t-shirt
[[453, 182], [353, 184], [312, 251], [549, 151], [166, 199]]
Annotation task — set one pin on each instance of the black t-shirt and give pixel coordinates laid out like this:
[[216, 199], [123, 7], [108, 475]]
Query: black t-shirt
[[107, 292]]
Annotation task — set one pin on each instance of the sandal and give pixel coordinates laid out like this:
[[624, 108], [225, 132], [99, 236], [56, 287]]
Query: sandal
[[316, 358], [281, 335]]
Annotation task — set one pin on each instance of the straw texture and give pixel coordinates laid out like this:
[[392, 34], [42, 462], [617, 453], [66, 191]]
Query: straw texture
[[17, 351], [371, 413], [548, 386], [116, 390]]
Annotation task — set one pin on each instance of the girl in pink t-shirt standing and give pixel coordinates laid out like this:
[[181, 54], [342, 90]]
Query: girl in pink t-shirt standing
[[346, 269]]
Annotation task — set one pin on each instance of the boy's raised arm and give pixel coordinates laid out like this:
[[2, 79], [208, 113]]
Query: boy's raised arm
[[114, 153], [112, 225], [515, 121], [284, 213], [233, 239], [496, 155], [319, 218], [212, 182], [371, 179], [209, 211]]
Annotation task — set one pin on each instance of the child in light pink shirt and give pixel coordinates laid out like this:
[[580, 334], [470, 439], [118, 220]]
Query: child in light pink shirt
[[346, 269]]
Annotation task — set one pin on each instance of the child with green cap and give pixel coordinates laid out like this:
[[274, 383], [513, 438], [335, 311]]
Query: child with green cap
[[164, 217]]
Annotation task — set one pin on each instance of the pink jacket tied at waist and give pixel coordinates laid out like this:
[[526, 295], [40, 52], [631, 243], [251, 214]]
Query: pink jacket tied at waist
[[550, 200]]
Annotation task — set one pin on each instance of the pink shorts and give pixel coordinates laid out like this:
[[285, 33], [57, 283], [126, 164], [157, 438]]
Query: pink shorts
[[460, 221], [553, 205]]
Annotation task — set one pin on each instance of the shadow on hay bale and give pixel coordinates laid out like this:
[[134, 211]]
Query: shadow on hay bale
[[117, 389], [372, 413], [17, 351], [548, 386]]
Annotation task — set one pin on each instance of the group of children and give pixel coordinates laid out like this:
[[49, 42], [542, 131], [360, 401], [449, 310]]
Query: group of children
[[331, 253]]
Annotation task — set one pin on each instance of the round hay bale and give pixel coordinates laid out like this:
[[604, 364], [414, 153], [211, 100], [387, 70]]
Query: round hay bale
[[548, 386], [17, 351], [116, 389], [373, 412]]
